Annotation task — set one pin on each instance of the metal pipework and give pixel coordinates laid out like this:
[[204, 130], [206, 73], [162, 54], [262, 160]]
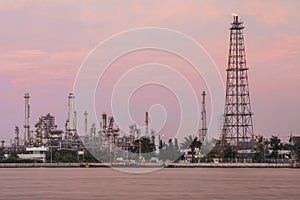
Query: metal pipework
[[27, 115], [104, 121]]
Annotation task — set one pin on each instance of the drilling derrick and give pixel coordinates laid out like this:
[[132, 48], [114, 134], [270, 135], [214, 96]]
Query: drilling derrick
[[237, 128]]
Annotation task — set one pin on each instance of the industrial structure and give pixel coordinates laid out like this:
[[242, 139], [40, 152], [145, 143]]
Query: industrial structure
[[46, 132], [105, 138], [71, 132], [203, 130], [147, 124], [27, 138], [237, 128], [85, 123]]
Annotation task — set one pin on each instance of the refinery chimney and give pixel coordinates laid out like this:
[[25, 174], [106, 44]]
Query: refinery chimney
[[104, 121], [71, 127], [85, 123], [146, 123], [203, 118], [27, 115]]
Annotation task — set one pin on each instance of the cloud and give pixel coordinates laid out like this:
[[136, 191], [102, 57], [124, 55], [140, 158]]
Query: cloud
[[30, 67], [44, 43]]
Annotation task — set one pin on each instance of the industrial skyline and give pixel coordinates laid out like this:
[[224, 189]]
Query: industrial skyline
[[42, 56]]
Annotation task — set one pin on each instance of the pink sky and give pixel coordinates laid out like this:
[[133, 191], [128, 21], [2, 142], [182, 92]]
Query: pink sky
[[44, 43]]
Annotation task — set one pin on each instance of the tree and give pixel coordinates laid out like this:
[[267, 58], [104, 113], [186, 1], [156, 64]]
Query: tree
[[229, 153], [2, 153], [296, 150], [147, 147], [195, 144], [65, 156], [260, 147], [171, 151], [213, 149], [191, 142], [276, 145]]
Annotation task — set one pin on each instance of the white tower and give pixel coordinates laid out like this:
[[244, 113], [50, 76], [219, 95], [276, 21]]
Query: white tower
[[71, 126], [156, 141]]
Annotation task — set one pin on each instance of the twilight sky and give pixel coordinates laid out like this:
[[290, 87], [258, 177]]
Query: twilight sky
[[44, 43]]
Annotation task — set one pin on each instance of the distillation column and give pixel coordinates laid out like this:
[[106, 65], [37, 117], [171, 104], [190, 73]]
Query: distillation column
[[85, 123], [27, 139], [146, 123], [203, 118], [71, 126]]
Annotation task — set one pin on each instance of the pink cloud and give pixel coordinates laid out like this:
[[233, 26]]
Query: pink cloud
[[47, 41], [270, 13], [30, 67]]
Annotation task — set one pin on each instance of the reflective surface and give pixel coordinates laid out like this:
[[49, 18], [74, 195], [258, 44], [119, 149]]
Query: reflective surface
[[106, 183]]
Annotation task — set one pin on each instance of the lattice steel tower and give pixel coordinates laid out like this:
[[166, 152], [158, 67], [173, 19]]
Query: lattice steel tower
[[237, 128]]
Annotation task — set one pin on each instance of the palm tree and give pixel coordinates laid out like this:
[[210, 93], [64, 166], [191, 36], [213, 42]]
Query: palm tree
[[276, 145], [261, 147], [185, 144], [191, 142], [229, 153]]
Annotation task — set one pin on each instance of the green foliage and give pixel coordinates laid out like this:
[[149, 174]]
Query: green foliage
[[191, 142], [88, 157], [261, 148], [147, 147], [64, 155], [13, 157], [214, 146], [229, 153], [186, 143], [2, 154], [170, 151], [296, 150], [276, 145]]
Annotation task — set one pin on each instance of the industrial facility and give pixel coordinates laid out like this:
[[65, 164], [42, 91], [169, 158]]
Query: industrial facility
[[104, 141]]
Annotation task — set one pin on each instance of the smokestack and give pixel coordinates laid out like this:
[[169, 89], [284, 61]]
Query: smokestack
[[17, 144], [85, 123], [27, 115], [203, 117], [104, 121], [71, 122], [146, 122], [71, 114], [156, 141]]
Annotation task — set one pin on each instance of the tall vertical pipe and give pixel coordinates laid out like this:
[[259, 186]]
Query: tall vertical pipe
[[85, 123], [146, 123], [71, 127], [203, 117], [104, 121], [27, 115]]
